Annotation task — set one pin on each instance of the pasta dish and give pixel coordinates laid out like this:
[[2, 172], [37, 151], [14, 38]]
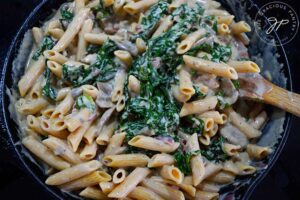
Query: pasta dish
[[141, 99]]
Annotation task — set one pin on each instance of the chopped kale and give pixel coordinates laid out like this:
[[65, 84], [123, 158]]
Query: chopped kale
[[221, 53], [47, 44], [66, 15], [215, 152], [198, 94], [182, 160], [236, 84], [100, 11], [222, 103], [47, 90], [103, 70], [85, 101], [151, 18], [191, 125], [92, 48], [202, 47]]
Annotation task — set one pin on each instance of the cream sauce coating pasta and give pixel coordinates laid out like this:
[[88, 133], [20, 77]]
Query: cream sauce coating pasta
[[150, 111]]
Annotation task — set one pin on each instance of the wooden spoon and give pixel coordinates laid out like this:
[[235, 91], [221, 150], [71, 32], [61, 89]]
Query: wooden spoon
[[254, 86]]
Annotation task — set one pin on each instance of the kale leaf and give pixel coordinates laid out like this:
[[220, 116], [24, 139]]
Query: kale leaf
[[222, 103], [183, 159], [215, 152], [151, 18], [221, 53], [66, 15], [103, 70], [100, 11], [47, 90], [191, 125], [85, 101], [47, 44], [236, 84]]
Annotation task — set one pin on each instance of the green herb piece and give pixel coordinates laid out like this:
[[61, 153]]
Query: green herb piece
[[66, 15], [103, 70], [85, 101], [222, 103], [92, 48], [47, 44], [191, 125], [151, 18], [236, 84], [47, 90], [215, 152], [198, 94], [183, 159], [221, 53], [100, 11], [202, 47]]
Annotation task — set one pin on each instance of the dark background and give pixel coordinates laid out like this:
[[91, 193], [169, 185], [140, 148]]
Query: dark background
[[282, 183]]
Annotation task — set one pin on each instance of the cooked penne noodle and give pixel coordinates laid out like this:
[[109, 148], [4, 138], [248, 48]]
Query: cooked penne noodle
[[72, 173], [60, 148], [31, 75], [130, 182], [82, 44], [57, 33], [75, 137], [106, 133], [189, 41], [62, 93], [223, 29], [119, 176], [126, 160], [31, 107], [211, 169], [37, 34], [209, 187], [171, 173], [89, 151], [74, 120], [244, 66], [55, 68], [222, 177], [121, 103], [79, 5], [34, 124], [134, 85], [178, 95], [90, 90], [159, 160], [185, 82], [258, 152], [114, 144], [142, 193], [118, 86], [165, 24], [86, 181], [55, 56], [107, 187], [231, 149], [245, 169], [63, 107], [205, 66], [215, 115], [56, 128], [90, 135], [199, 106], [240, 123], [240, 27], [225, 19], [72, 30], [135, 7], [43, 153], [153, 144], [163, 190], [140, 45], [93, 193], [124, 56]]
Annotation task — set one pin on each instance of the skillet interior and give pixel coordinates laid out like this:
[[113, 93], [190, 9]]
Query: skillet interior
[[241, 190]]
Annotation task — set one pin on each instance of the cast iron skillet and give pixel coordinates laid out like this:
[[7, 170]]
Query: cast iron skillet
[[40, 13]]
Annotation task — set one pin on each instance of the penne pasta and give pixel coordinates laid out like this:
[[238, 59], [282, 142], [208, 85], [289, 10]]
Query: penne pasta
[[199, 106], [126, 160]]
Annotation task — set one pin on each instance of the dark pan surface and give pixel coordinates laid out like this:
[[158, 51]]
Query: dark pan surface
[[41, 12]]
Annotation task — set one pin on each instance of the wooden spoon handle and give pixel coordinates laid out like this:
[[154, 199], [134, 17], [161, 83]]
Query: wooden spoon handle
[[283, 99]]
